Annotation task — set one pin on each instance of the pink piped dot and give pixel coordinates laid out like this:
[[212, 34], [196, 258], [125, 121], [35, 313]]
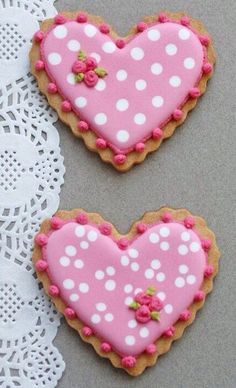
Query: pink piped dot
[[150, 349], [163, 18], [170, 332], [141, 26], [66, 106], [83, 126], [189, 222], [207, 68], [105, 347], [185, 21], [166, 217], [140, 147], [178, 114], [194, 93], [185, 315], [206, 244], [53, 290], [120, 159], [41, 265], [82, 17], [41, 239], [82, 218], [141, 228], [69, 313], [56, 222], [87, 331], [105, 229], [157, 133], [104, 28], [39, 65], [60, 19], [38, 36], [199, 296], [209, 270], [128, 361], [123, 243], [120, 43], [205, 40], [52, 88], [101, 144]]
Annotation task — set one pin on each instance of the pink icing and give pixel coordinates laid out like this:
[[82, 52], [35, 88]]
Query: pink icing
[[66, 106], [150, 349], [128, 361], [56, 222], [70, 313], [82, 218], [82, 17], [41, 239], [141, 227], [166, 217], [41, 265], [38, 36], [87, 331], [105, 347], [101, 143], [83, 126], [120, 159], [39, 65], [141, 26], [98, 280], [199, 296], [104, 28], [53, 290], [189, 222], [170, 332], [157, 133], [60, 19], [148, 80], [105, 229], [52, 88], [185, 315]]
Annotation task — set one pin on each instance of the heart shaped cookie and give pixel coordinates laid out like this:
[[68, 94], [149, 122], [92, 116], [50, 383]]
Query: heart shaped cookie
[[122, 96], [129, 296]]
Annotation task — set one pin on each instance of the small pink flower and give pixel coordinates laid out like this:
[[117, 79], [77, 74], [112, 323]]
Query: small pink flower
[[79, 67], [143, 298], [90, 78], [143, 315], [155, 304], [91, 63]]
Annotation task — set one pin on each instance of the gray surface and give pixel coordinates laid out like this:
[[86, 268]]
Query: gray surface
[[194, 169]]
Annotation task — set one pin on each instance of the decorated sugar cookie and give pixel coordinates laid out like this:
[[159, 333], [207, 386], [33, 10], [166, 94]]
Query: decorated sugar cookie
[[129, 296], [123, 96]]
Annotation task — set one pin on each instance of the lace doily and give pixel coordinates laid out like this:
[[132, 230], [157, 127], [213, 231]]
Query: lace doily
[[31, 175]]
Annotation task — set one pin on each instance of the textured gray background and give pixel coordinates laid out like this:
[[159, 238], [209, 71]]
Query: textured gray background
[[194, 169]]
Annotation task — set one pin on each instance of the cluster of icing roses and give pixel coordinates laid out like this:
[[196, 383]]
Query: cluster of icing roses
[[86, 70], [147, 306]]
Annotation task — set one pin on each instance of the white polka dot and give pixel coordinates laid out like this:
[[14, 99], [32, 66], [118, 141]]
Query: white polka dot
[[60, 32], [135, 267], [99, 275], [79, 264], [137, 290], [101, 306], [100, 119], [54, 59], [109, 47], [139, 119], [160, 277], [90, 30], [133, 253], [124, 260], [183, 268], [154, 238], [137, 53], [165, 246], [84, 288], [171, 49], [189, 63], [183, 250], [73, 45], [122, 136], [128, 288], [154, 35], [144, 332], [96, 56], [95, 318], [184, 34], [155, 264], [140, 84], [74, 297], [157, 101], [81, 102], [122, 105], [64, 261], [168, 308], [71, 79], [185, 236], [110, 285], [68, 284], [70, 250], [130, 340], [149, 273], [156, 68], [164, 231], [101, 85], [92, 235], [128, 300], [161, 295], [191, 279], [110, 271], [109, 317], [194, 247], [132, 323], [175, 81], [121, 75], [79, 231], [84, 245], [179, 282]]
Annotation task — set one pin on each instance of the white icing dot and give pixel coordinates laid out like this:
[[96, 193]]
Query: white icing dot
[[160, 277], [184, 34], [161, 295], [132, 323], [175, 81], [101, 85], [54, 59], [64, 261], [122, 136], [139, 119], [100, 119], [157, 101], [171, 49], [179, 282], [156, 68], [155, 264], [183, 249], [73, 45], [70, 250], [128, 288], [109, 47], [135, 267], [110, 271], [149, 273], [124, 260], [68, 284], [144, 332], [128, 300], [189, 63], [92, 235], [194, 247], [137, 53], [121, 75], [84, 288], [79, 231], [60, 32], [185, 236], [183, 268], [168, 308], [81, 102], [99, 275], [133, 253], [154, 35], [130, 340], [101, 306], [84, 245], [71, 79], [165, 246], [191, 279], [95, 318], [122, 105], [140, 84], [79, 264], [110, 285], [74, 297], [137, 290], [109, 317], [96, 56], [154, 238], [164, 231], [90, 30]]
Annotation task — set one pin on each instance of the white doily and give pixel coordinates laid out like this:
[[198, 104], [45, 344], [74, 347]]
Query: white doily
[[31, 175]]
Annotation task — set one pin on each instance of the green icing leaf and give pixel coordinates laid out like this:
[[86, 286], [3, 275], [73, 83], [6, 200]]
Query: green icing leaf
[[82, 55], [101, 72], [79, 77], [134, 306], [151, 291], [155, 315]]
